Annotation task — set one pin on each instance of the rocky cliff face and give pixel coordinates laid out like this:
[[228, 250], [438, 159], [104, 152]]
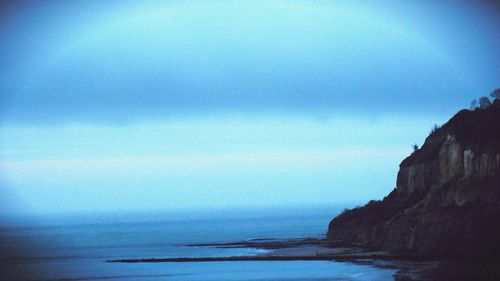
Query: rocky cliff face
[[447, 195]]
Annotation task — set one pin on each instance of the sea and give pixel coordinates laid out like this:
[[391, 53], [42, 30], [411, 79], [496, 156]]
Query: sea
[[77, 246]]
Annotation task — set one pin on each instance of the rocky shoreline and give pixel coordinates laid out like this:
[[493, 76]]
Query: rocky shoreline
[[311, 249], [408, 267]]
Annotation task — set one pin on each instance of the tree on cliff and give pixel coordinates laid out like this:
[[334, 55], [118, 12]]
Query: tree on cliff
[[484, 102], [473, 104], [495, 94], [434, 129]]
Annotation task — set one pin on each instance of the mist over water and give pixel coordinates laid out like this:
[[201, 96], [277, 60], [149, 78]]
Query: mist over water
[[124, 105]]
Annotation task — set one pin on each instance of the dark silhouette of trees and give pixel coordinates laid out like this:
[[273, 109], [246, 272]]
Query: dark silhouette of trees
[[434, 129], [484, 102], [473, 104], [495, 94], [415, 147]]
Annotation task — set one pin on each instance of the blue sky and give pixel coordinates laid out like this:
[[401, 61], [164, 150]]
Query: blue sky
[[185, 104]]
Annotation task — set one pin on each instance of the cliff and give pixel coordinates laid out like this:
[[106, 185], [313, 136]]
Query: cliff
[[447, 195]]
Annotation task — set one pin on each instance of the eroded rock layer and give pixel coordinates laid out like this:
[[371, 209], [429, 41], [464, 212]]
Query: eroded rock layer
[[447, 195]]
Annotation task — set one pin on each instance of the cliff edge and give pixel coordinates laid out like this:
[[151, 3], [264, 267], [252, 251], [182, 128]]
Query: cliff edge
[[447, 196]]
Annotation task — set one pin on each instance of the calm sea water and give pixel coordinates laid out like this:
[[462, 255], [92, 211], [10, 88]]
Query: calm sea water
[[76, 247]]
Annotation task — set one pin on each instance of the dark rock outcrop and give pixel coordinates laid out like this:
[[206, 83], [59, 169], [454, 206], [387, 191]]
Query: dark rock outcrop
[[447, 196]]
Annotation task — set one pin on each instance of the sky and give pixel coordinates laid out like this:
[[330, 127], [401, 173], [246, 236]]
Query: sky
[[150, 105]]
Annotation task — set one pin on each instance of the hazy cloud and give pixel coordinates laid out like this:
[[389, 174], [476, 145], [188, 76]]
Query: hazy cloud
[[124, 62]]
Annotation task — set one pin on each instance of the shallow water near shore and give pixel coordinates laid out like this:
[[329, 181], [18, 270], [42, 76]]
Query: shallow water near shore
[[76, 247]]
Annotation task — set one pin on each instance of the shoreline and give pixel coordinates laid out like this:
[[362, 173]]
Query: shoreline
[[408, 267], [359, 257], [286, 250]]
